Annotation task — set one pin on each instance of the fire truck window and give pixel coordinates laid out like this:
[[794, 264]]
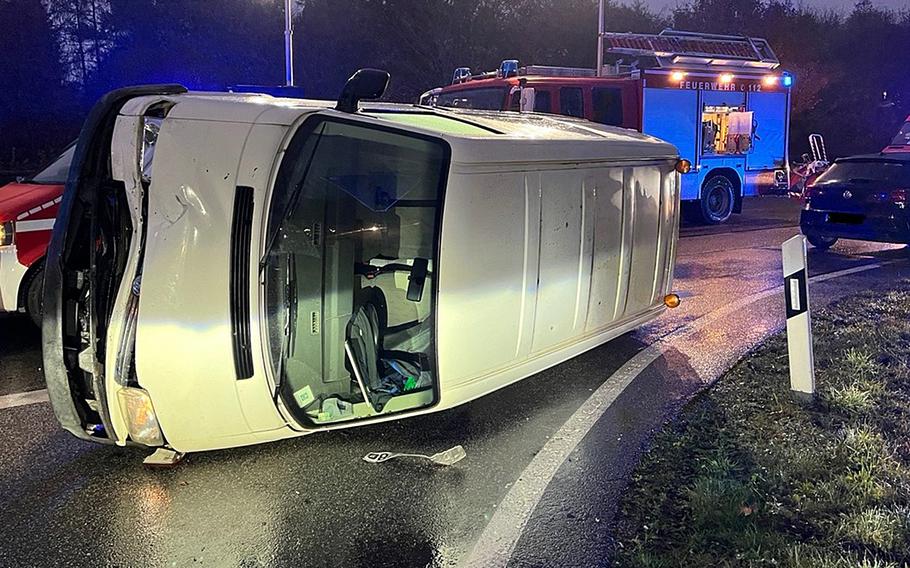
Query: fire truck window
[[902, 138], [571, 102], [726, 130], [483, 99], [607, 106], [542, 101]]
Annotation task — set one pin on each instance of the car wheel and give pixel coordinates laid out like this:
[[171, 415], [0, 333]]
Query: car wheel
[[34, 296], [718, 197], [820, 242]]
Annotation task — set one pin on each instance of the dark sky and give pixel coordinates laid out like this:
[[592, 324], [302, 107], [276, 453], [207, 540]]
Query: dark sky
[[843, 5]]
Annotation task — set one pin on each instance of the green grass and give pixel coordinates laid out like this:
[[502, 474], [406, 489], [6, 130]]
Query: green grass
[[748, 476]]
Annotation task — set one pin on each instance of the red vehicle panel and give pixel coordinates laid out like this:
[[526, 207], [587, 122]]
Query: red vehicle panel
[[901, 142], [27, 213]]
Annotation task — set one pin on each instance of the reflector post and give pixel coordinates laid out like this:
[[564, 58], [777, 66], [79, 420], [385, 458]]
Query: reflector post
[[799, 321]]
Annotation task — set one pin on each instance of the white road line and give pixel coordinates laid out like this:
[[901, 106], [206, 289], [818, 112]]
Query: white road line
[[23, 398], [496, 544]]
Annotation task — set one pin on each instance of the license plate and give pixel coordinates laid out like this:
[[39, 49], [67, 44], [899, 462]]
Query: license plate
[[845, 218]]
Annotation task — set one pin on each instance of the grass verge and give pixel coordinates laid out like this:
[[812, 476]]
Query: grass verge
[[746, 476]]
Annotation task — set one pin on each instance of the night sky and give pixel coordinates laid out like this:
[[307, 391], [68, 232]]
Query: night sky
[[843, 5]]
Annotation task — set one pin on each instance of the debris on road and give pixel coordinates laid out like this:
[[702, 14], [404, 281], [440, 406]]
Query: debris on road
[[448, 457]]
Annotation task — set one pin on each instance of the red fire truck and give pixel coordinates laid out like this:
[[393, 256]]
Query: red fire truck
[[722, 100], [28, 208], [901, 142]]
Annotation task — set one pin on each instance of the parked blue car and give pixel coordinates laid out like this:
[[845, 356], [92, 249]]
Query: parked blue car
[[861, 197]]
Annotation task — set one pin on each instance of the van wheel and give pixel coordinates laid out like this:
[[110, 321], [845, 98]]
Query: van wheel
[[34, 296], [718, 197], [820, 242]]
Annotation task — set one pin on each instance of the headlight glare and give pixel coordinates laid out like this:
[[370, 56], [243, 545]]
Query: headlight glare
[[141, 420]]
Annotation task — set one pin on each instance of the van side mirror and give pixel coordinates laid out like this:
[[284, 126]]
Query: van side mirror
[[364, 84]]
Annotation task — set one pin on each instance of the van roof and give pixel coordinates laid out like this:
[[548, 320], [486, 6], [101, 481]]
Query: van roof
[[475, 135]]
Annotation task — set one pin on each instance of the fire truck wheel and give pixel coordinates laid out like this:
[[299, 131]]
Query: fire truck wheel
[[717, 199], [820, 242], [34, 301]]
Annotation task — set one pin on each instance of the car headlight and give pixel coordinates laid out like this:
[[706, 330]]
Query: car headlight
[[141, 420], [7, 230]]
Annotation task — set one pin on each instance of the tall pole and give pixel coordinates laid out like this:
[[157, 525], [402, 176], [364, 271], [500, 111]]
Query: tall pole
[[600, 39], [288, 45]]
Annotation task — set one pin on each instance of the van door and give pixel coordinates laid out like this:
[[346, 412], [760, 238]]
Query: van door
[[565, 249]]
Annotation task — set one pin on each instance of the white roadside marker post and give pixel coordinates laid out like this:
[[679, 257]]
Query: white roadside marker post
[[799, 321]]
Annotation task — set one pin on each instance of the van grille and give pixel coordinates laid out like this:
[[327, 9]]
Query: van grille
[[241, 228]]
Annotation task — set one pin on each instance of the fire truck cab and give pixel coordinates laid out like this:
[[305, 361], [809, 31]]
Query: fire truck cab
[[721, 100], [28, 208]]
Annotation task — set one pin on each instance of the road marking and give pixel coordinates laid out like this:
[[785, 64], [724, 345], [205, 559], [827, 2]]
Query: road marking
[[23, 398], [496, 544]]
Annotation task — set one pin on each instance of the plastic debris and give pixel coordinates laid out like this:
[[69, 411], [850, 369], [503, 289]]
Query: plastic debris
[[448, 457]]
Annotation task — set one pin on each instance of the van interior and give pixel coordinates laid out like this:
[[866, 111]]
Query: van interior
[[350, 281]]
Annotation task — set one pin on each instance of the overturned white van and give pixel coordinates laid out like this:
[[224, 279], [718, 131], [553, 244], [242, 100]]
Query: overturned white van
[[232, 269]]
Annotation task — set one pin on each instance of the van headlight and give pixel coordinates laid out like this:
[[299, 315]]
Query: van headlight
[[7, 230], [141, 420]]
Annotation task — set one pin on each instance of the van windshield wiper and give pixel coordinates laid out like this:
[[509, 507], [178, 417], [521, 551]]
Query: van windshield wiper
[[290, 323], [290, 206]]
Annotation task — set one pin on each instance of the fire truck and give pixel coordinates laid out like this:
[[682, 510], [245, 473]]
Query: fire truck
[[901, 142], [722, 100], [28, 208]]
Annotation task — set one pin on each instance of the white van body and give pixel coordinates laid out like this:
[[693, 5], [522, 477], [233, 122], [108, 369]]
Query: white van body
[[553, 236]]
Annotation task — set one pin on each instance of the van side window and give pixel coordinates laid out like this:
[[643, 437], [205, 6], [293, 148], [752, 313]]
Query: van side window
[[542, 101], [607, 105], [571, 102]]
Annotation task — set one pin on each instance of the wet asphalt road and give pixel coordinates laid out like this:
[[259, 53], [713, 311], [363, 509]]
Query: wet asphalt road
[[313, 502]]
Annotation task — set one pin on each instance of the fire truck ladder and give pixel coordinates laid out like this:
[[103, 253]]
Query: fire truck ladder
[[673, 48]]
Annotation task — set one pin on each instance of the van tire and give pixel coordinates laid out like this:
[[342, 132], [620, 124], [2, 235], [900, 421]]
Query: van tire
[[820, 242], [34, 296], [718, 198]]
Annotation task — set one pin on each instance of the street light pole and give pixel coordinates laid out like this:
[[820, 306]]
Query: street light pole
[[600, 39], [288, 45]]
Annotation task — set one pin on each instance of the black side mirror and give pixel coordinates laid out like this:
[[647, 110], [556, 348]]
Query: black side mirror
[[364, 84]]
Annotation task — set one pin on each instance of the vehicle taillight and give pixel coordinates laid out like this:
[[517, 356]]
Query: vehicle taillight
[[899, 197]]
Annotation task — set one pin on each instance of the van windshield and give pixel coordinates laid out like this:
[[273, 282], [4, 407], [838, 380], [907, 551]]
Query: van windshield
[[349, 281]]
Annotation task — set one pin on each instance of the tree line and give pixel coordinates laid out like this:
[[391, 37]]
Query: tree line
[[851, 73]]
